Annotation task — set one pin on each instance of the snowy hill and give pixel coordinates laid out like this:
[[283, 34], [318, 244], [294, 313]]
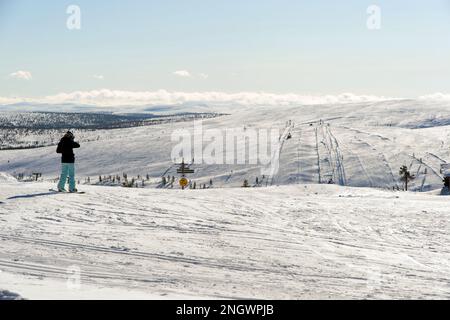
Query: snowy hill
[[354, 144], [305, 241]]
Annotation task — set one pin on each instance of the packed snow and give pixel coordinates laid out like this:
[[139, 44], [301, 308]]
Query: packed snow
[[296, 242]]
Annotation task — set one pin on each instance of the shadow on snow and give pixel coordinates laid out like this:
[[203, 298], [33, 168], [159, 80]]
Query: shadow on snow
[[25, 196]]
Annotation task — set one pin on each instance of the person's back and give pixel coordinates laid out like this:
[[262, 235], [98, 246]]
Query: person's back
[[65, 148]]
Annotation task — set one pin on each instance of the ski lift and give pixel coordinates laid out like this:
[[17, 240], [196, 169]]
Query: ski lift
[[183, 170], [36, 175]]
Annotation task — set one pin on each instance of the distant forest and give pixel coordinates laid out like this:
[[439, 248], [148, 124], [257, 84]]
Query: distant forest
[[24, 130]]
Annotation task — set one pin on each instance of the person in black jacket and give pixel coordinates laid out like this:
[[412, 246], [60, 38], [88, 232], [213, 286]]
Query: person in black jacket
[[65, 148]]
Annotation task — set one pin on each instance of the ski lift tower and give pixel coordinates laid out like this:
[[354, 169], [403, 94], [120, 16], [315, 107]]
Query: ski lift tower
[[36, 175], [183, 170]]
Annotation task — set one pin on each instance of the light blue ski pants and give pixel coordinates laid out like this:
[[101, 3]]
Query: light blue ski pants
[[67, 170]]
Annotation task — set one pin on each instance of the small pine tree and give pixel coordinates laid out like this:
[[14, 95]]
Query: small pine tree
[[447, 182], [405, 176], [245, 185]]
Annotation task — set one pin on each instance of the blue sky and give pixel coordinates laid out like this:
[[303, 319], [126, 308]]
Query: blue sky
[[280, 46]]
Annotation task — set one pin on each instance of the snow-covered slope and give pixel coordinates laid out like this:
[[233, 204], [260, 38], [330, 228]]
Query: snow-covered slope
[[357, 144], [303, 241]]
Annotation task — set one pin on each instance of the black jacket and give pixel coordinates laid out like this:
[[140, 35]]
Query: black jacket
[[65, 147]]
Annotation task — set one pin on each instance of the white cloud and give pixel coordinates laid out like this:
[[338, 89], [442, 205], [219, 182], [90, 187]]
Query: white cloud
[[98, 77], [4, 100], [106, 97], [436, 97], [182, 73], [23, 75], [187, 74]]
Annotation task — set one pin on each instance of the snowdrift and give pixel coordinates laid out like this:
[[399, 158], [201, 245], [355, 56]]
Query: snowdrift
[[4, 177]]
